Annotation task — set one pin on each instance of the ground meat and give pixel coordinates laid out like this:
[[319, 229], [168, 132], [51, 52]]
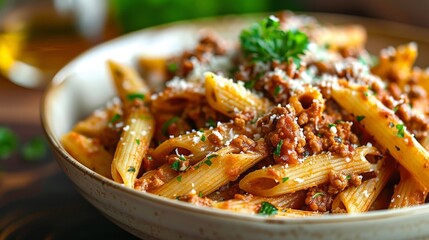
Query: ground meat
[[207, 46], [196, 200], [338, 181], [283, 135], [319, 199], [243, 143], [154, 179], [338, 138]]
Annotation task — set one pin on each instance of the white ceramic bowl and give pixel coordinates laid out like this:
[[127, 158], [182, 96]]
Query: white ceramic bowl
[[84, 85]]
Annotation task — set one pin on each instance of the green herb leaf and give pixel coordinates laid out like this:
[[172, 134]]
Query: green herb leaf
[[35, 149], [277, 90], [8, 142], [167, 124], [348, 177], [182, 158], [172, 67], [267, 209], [331, 125], [131, 169], [175, 165], [285, 179], [115, 118], [265, 42], [250, 84], [395, 109], [211, 123], [179, 178], [400, 128], [278, 148], [208, 162], [133, 96], [360, 118], [200, 194], [138, 141], [211, 156], [317, 194], [203, 138]]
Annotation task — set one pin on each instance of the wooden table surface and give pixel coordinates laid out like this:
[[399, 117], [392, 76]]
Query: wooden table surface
[[37, 200]]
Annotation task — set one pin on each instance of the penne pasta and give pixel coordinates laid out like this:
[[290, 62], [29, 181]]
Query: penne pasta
[[279, 179], [360, 198], [231, 98], [409, 192], [88, 151], [387, 129], [209, 174], [139, 125]]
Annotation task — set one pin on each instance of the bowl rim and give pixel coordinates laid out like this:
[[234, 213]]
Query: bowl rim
[[62, 75]]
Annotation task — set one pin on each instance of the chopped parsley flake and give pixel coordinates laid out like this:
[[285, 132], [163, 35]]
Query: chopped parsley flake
[[115, 118], [182, 158], [203, 138], [133, 96], [400, 128], [179, 178], [211, 122], [175, 165], [277, 90], [211, 156], [285, 179], [348, 177], [167, 124], [131, 169], [138, 141], [208, 162], [267, 209], [250, 84], [332, 125], [360, 118], [266, 42], [317, 194], [172, 67], [395, 109], [278, 148], [200, 194]]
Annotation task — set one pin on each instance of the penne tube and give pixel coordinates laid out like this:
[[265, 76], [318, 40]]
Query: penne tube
[[279, 179], [231, 98], [88, 151], [174, 100], [196, 143], [128, 83], [214, 171], [387, 130], [396, 64], [360, 198], [132, 146], [409, 192], [251, 204]]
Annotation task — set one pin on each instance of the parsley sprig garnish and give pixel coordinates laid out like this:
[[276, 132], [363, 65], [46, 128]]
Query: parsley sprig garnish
[[265, 42]]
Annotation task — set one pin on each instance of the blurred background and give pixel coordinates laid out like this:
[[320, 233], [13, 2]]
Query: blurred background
[[38, 37]]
